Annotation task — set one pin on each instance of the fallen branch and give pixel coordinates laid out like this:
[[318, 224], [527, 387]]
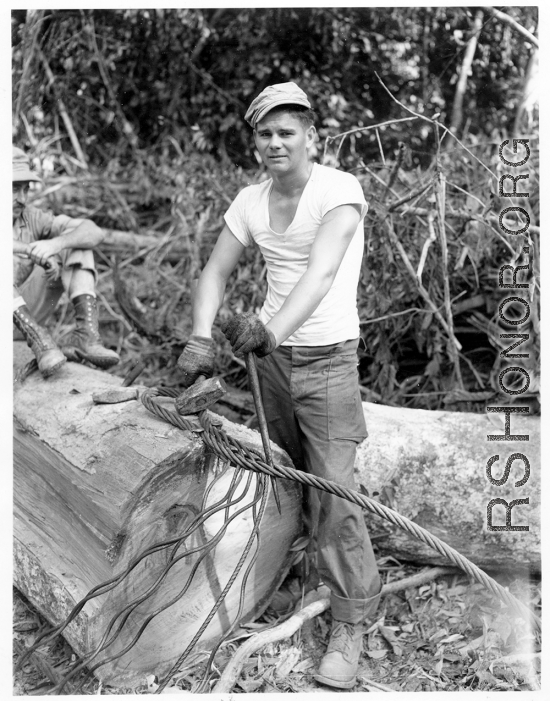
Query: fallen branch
[[411, 196], [129, 242], [318, 603], [427, 243], [440, 199], [375, 685], [421, 289]]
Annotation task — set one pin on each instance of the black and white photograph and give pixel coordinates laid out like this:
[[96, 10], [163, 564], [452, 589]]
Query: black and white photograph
[[276, 324]]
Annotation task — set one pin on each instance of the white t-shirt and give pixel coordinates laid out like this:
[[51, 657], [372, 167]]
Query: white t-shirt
[[287, 254]]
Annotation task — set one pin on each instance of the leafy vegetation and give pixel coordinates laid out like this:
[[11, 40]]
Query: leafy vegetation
[[131, 78], [152, 100]]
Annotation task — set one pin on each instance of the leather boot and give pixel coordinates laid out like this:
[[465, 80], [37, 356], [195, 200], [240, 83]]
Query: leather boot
[[341, 661], [85, 342], [47, 353]]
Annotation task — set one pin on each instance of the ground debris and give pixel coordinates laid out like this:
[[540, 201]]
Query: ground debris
[[448, 635]]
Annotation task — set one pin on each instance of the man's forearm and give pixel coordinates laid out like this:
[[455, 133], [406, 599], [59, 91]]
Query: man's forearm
[[300, 304], [86, 235], [208, 299], [20, 248]]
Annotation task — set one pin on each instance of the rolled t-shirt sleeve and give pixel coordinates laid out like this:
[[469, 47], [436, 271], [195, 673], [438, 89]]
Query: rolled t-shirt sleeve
[[62, 225], [344, 189], [44, 225], [236, 219]]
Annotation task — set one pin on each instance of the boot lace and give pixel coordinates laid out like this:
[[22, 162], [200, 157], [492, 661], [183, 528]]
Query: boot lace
[[342, 638]]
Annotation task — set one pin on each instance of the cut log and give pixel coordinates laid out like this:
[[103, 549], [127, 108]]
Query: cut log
[[95, 484], [131, 243], [431, 467]]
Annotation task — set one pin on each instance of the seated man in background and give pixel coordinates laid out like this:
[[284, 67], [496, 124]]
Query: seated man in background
[[53, 254]]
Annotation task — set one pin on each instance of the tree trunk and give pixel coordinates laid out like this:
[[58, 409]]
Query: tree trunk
[[95, 484], [431, 467], [465, 71]]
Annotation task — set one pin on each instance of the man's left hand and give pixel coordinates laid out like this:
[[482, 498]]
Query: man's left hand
[[53, 269], [247, 334], [40, 251]]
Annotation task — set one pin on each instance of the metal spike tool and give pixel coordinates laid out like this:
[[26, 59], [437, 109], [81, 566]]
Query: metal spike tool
[[254, 383]]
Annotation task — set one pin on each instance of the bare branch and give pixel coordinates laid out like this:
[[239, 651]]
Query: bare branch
[[435, 122], [343, 134], [421, 289], [511, 22], [63, 112]]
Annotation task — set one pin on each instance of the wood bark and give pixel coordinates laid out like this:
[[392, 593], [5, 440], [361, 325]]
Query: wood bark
[[94, 485], [430, 466]]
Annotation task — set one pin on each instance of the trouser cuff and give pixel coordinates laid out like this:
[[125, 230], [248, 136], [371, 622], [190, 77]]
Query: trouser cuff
[[18, 302], [79, 258], [353, 610]]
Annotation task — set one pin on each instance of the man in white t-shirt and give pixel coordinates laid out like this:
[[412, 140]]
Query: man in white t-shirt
[[308, 223]]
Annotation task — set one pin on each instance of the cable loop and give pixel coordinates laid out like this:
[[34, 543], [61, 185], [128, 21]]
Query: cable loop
[[228, 448]]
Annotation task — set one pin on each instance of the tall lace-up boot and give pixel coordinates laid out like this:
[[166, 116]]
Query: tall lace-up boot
[[85, 342], [49, 356], [341, 661]]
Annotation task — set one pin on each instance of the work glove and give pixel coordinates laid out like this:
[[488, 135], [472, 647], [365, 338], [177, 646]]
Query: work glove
[[197, 359], [247, 334]]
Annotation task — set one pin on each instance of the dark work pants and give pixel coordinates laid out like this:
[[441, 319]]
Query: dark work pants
[[313, 407]]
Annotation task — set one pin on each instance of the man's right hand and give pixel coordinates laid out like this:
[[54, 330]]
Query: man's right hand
[[40, 251], [197, 359], [51, 265]]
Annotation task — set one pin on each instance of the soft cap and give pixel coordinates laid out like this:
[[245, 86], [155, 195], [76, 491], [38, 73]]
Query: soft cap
[[22, 168], [273, 96]]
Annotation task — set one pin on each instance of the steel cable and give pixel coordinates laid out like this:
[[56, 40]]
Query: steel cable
[[262, 484], [224, 503], [125, 613], [208, 547], [228, 448]]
